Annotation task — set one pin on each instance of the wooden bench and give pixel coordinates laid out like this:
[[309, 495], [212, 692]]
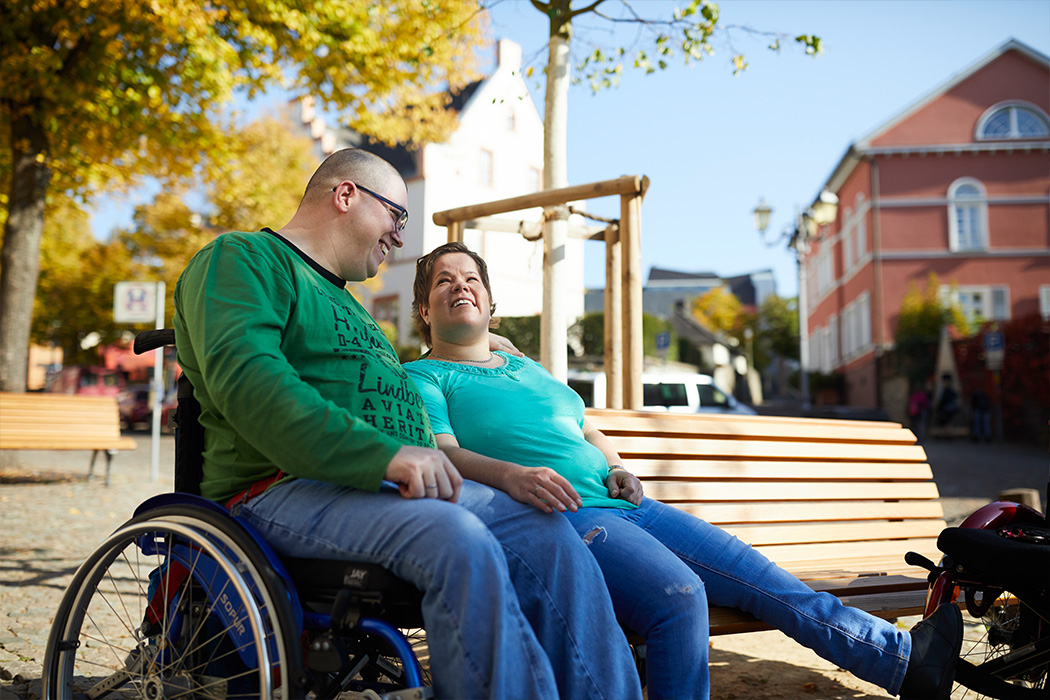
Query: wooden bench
[[837, 503], [62, 422]]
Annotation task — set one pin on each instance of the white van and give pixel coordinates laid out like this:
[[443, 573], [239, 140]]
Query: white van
[[671, 393]]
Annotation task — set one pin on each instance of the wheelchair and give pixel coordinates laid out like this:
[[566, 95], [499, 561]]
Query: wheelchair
[[185, 600]]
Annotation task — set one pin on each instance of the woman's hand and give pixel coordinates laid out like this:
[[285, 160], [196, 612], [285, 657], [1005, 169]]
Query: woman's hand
[[498, 342], [623, 484], [543, 488]]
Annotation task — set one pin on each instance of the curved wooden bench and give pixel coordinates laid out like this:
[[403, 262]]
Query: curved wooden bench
[[62, 422], [837, 503]]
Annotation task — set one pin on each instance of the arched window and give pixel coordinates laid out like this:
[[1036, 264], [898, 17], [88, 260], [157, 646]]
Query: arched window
[[1013, 120], [967, 215]]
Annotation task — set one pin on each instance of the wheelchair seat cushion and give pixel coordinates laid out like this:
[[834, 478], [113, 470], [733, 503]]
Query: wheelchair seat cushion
[[1010, 560]]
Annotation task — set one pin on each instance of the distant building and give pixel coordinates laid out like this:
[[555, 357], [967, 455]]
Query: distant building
[[666, 290], [497, 152], [956, 184]]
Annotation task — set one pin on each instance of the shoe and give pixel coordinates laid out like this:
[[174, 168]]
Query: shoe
[[935, 645]]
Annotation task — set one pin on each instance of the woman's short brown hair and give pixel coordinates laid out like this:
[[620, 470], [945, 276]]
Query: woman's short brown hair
[[425, 276]]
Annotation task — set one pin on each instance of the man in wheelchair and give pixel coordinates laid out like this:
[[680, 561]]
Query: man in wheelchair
[[315, 436]]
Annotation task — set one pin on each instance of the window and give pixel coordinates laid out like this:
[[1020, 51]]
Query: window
[[664, 395], [384, 310], [847, 240], [711, 396], [980, 303], [1044, 301], [856, 326], [1013, 120], [967, 215]]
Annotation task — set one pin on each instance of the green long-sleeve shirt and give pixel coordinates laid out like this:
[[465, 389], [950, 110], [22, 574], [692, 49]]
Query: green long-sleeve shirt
[[291, 372]]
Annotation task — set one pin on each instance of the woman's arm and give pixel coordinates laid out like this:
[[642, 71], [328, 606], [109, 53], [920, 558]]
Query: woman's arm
[[620, 482], [539, 487]]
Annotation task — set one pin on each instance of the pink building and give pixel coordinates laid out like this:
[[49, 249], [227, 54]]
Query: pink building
[[957, 184]]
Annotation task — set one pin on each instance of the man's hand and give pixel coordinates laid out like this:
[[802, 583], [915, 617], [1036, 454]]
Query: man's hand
[[543, 488], [498, 342], [421, 472], [623, 484]]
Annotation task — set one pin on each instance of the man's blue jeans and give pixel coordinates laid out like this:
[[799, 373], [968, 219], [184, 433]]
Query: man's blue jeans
[[663, 566], [514, 605]]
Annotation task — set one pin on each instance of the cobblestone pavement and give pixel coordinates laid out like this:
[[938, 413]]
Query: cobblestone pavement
[[51, 518]]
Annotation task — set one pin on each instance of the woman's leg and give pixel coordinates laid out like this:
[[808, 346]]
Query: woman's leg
[[657, 596], [736, 575], [562, 593], [480, 642]]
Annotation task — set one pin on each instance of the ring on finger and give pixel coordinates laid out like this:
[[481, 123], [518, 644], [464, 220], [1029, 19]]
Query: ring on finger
[[536, 492], [432, 486]]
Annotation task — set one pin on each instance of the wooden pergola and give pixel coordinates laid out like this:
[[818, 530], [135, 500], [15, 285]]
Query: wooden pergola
[[623, 268]]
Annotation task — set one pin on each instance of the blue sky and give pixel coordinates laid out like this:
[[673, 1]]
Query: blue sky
[[713, 143]]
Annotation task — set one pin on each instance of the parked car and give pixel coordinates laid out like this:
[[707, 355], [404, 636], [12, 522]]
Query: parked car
[[671, 393], [87, 381], [136, 410]]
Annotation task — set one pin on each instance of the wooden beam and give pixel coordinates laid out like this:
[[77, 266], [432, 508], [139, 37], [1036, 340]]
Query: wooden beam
[[531, 229], [624, 185]]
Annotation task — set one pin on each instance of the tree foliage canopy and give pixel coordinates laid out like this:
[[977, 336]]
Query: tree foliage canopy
[[718, 310], [95, 94]]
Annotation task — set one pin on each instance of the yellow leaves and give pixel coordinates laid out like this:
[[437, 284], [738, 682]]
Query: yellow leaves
[[717, 309]]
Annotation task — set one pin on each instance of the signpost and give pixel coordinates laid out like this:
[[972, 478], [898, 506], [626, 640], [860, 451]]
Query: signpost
[[994, 353], [663, 344], [142, 302]]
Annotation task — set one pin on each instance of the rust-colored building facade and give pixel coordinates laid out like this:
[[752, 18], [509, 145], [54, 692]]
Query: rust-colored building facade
[[957, 184]]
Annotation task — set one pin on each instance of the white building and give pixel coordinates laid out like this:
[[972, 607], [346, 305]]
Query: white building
[[496, 153]]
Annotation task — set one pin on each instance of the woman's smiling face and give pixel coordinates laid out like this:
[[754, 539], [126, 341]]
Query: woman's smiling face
[[458, 301]]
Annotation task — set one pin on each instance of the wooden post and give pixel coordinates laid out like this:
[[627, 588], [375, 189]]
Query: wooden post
[[630, 238], [455, 232], [613, 326]]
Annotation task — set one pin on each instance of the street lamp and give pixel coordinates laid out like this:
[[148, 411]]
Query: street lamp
[[807, 226]]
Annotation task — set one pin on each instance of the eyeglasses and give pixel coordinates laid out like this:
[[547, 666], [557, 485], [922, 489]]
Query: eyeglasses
[[402, 213]]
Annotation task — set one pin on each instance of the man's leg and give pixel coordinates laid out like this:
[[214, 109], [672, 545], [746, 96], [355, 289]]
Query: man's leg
[[563, 594], [481, 645]]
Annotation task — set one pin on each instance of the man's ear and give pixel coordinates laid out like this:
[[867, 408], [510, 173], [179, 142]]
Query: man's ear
[[424, 313]]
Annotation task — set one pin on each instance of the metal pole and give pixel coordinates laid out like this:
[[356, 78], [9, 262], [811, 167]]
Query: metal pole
[[158, 392], [803, 329]]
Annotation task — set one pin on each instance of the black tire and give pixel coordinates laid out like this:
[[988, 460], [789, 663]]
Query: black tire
[[226, 629]]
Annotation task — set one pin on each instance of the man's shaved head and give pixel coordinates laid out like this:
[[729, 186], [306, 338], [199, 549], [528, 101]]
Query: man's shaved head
[[353, 164]]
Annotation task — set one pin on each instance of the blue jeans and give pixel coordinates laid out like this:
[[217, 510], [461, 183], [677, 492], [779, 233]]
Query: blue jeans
[[513, 605], [664, 566]]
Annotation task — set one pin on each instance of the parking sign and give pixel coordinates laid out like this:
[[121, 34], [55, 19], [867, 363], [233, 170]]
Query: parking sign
[[135, 302]]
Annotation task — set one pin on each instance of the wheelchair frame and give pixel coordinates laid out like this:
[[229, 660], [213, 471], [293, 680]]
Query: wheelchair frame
[[188, 600]]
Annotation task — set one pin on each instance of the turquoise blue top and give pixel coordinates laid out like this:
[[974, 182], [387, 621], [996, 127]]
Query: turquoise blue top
[[518, 413]]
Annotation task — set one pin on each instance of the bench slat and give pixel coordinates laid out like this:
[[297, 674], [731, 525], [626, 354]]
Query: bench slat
[[613, 419], [810, 511], [835, 532], [782, 554], [675, 491], [726, 469], [629, 446]]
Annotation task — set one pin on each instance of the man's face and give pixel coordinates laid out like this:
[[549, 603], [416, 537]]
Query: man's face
[[372, 226]]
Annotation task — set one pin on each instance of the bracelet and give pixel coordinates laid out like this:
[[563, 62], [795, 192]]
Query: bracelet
[[614, 467]]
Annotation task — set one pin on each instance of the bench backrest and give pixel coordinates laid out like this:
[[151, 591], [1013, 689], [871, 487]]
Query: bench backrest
[[823, 498], [58, 421]]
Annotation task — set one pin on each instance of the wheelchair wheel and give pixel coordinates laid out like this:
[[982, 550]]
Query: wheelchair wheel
[[1005, 655], [172, 606]]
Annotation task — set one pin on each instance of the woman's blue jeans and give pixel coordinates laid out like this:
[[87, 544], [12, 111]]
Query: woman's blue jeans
[[664, 566], [514, 606]]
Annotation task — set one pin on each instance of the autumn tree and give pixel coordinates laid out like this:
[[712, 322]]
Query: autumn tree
[[924, 313], [718, 310], [687, 34], [95, 94]]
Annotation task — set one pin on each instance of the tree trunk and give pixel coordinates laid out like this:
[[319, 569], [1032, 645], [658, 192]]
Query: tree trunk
[[554, 327], [20, 255]]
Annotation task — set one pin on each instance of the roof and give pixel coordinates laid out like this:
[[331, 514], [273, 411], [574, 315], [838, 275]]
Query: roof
[[857, 150], [658, 274]]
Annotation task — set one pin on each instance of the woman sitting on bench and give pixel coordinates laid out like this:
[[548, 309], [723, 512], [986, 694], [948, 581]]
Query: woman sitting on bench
[[504, 421]]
